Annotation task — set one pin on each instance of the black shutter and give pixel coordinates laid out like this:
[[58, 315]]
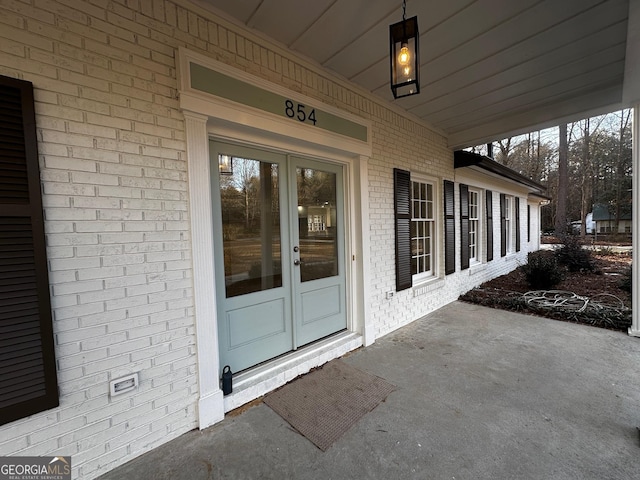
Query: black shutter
[[28, 382], [489, 209], [449, 229], [464, 226], [517, 225], [503, 225], [528, 223], [402, 204]]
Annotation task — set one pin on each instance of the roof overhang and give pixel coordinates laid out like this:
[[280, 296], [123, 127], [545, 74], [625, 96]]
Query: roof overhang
[[464, 159], [490, 69]]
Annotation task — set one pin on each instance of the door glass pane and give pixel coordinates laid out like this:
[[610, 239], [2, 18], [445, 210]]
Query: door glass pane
[[317, 219], [250, 226]]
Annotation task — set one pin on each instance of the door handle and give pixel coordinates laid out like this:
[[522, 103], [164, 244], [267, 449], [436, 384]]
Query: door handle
[[297, 262]]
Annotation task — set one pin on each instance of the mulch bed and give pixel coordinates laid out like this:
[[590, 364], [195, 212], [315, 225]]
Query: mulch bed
[[506, 292]]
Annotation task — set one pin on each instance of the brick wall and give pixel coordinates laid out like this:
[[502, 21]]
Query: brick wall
[[114, 179]]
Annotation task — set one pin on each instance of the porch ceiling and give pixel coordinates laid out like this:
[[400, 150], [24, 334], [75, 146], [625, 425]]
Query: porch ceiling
[[489, 68]]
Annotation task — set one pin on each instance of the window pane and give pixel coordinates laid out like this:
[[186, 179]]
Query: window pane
[[317, 222], [251, 227]]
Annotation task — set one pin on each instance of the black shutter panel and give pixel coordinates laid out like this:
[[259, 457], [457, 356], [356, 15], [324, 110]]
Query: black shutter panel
[[528, 223], [464, 226], [517, 225], [503, 225], [489, 209], [402, 203], [449, 229], [28, 382]]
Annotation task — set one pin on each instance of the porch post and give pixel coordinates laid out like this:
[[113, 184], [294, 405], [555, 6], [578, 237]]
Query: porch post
[[210, 403], [634, 330]]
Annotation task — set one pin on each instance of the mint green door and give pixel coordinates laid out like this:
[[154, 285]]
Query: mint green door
[[318, 276], [279, 249]]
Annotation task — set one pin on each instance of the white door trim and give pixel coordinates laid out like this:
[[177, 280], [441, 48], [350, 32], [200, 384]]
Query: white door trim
[[207, 115]]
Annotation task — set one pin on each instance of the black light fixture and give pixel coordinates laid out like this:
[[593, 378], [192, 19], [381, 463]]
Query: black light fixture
[[405, 61]]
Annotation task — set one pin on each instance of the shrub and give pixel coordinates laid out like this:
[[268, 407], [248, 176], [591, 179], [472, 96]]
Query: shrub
[[625, 281], [542, 270], [573, 256]]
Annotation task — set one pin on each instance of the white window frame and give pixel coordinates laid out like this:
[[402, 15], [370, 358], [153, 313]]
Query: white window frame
[[431, 221], [475, 226], [509, 221]]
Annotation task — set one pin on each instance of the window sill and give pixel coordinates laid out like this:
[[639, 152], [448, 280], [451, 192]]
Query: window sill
[[511, 256], [477, 268], [427, 286]]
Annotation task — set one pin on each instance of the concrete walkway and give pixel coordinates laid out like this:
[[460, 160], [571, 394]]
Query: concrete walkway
[[481, 394]]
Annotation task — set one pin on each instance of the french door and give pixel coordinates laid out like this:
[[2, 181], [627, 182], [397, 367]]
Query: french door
[[279, 249]]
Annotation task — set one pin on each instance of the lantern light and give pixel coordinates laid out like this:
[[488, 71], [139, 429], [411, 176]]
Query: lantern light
[[405, 62]]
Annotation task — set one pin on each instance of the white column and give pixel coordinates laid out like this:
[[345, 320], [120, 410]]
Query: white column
[[363, 231], [210, 403], [634, 330]]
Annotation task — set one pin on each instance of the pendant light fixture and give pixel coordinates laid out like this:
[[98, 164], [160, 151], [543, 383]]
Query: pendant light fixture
[[404, 58]]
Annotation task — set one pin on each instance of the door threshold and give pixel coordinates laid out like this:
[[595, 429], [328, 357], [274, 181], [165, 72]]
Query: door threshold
[[266, 377]]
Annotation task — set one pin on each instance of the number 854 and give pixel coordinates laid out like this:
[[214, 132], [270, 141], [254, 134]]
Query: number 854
[[299, 112]]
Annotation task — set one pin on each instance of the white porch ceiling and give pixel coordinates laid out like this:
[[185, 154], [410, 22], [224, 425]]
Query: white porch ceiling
[[489, 68]]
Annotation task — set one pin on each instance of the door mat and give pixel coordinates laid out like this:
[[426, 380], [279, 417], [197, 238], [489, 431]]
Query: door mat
[[327, 402]]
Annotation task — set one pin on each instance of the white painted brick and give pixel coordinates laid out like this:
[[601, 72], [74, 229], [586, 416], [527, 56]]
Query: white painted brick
[[146, 310], [107, 364], [73, 264], [94, 179], [69, 189], [125, 281], [73, 361], [69, 214], [119, 192], [46, 434], [97, 342], [63, 301], [46, 447], [119, 238], [65, 239]]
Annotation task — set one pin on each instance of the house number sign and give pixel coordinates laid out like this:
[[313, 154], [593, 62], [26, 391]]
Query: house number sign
[[299, 112], [242, 92]]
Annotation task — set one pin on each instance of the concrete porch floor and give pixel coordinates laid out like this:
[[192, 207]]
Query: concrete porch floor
[[481, 394]]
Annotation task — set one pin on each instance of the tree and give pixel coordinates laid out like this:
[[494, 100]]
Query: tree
[[563, 181]]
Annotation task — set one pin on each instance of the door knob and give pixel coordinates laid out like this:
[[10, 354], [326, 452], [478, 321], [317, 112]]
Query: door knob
[[297, 262]]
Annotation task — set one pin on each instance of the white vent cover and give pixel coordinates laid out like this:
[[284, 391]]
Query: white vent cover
[[123, 384]]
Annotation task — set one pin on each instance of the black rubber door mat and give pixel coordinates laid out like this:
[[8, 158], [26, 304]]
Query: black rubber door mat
[[328, 401]]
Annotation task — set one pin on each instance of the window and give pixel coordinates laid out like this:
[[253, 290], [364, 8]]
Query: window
[[422, 229], [474, 226], [27, 361], [415, 226], [508, 224]]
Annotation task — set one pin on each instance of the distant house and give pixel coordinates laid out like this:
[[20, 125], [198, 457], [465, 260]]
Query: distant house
[[605, 221]]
